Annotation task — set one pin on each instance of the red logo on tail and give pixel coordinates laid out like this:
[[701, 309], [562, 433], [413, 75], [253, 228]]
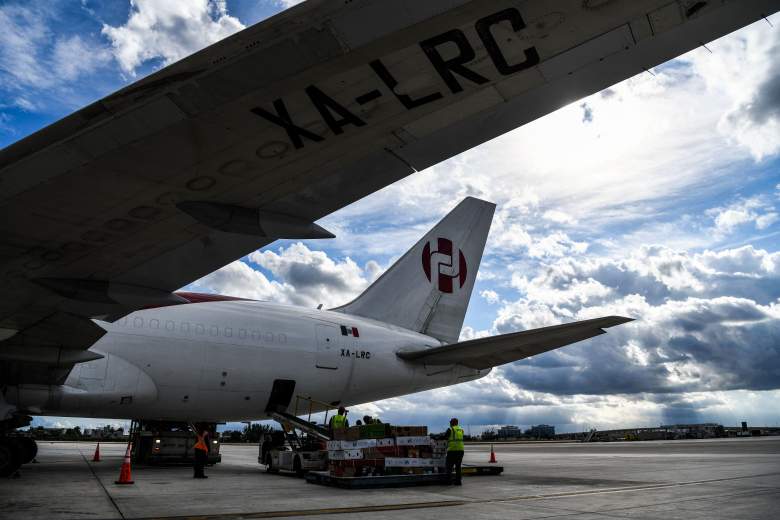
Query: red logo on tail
[[444, 264]]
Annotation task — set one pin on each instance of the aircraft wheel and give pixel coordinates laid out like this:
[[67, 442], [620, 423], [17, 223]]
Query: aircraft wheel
[[9, 458], [27, 449], [269, 464], [297, 467]]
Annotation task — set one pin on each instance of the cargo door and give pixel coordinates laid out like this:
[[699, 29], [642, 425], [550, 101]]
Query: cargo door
[[328, 354]]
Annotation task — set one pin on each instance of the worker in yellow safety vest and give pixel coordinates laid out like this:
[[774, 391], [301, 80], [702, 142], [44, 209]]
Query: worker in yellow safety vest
[[201, 450], [454, 451], [339, 421]]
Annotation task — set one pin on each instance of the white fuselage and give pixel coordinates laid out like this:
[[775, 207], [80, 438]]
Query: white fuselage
[[217, 361]]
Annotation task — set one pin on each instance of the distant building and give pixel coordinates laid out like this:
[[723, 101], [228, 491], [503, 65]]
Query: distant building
[[509, 432], [694, 431], [541, 431]]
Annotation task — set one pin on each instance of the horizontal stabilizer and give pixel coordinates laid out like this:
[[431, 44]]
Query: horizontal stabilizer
[[489, 352]]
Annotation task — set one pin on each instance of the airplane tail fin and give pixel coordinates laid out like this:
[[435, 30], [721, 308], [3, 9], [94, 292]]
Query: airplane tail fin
[[428, 289]]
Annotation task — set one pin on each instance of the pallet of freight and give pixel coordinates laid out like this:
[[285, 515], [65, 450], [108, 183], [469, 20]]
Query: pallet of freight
[[391, 462], [421, 478], [323, 478]]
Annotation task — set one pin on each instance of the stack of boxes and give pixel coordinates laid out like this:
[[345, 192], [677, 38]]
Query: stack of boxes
[[381, 449]]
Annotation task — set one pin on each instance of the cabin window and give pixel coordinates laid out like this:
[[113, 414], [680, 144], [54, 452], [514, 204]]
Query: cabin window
[[200, 329], [214, 331], [228, 332], [170, 326], [184, 327], [154, 323], [138, 322], [269, 337], [282, 338], [255, 335], [242, 333]]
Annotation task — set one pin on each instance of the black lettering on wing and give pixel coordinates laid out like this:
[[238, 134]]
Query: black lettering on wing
[[282, 118], [483, 27], [406, 100], [448, 68], [328, 106]]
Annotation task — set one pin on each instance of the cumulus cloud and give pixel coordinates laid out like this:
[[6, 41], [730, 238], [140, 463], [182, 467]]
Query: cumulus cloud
[[490, 296], [169, 30], [754, 210], [289, 3], [747, 67], [300, 277], [705, 322], [239, 279]]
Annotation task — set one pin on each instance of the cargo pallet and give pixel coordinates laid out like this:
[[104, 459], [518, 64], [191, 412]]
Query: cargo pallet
[[324, 478]]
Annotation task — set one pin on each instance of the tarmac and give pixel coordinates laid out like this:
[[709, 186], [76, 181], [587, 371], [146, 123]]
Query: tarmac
[[707, 479]]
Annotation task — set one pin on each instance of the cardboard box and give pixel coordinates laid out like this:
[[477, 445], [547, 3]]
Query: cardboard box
[[385, 443], [413, 441], [373, 431], [352, 454], [409, 431], [335, 455], [373, 454], [358, 444], [353, 433], [388, 451], [334, 445], [339, 434]]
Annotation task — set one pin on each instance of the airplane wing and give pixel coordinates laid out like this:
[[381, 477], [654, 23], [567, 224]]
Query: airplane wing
[[256, 137], [490, 352]]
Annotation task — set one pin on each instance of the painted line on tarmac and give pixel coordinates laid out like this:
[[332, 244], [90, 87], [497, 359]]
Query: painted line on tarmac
[[102, 486], [625, 489], [444, 503], [322, 511]]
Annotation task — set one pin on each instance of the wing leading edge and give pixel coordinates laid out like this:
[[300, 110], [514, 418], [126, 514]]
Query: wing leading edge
[[489, 352]]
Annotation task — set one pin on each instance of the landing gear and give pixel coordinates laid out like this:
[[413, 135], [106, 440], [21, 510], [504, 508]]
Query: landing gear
[[28, 449], [15, 447], [9, 457]]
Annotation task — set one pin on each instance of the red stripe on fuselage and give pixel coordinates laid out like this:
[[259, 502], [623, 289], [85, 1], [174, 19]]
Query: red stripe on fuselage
[[203, 297]]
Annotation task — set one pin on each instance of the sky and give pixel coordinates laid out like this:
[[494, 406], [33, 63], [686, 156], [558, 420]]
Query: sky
[[657, 198]]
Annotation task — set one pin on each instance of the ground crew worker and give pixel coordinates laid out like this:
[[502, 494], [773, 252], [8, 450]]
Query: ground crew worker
[[454, 451], [339, 421], [201, 450]]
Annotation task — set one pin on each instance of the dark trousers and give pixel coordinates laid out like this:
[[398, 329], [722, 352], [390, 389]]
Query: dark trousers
[[454, 458], [201, 457]]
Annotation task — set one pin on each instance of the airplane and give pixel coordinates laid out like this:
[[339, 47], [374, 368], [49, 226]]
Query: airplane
[[107, 212]]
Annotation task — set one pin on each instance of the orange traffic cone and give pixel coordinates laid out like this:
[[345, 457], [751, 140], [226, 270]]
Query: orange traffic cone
[[492, 456], [96, 457], [124, 473]]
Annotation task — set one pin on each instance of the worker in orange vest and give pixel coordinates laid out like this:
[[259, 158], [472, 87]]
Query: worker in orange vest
[[201, 450]]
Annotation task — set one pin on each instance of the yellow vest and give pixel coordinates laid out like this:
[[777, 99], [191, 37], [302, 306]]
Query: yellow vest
[[338, 421], [455, 440]]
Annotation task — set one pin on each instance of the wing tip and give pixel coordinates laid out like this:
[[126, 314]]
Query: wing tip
[[617, 320]]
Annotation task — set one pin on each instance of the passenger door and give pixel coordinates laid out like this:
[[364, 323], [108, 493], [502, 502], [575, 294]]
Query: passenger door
[[328, 354]]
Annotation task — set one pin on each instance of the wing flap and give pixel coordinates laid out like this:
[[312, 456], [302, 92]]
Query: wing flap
[[45, 352], [489, 352]]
